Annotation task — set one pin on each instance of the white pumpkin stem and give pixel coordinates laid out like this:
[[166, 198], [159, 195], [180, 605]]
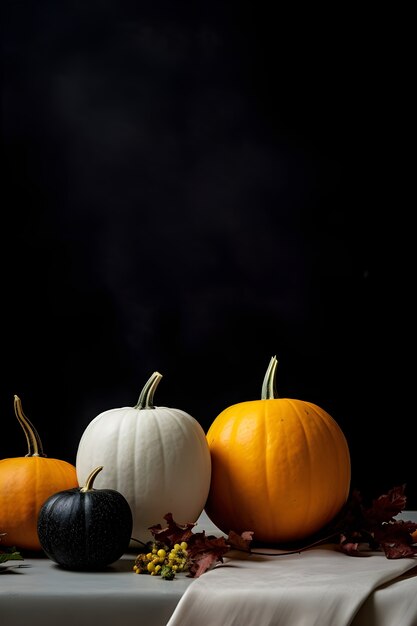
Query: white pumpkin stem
[[34, 441], [146, 397], [88, 485], [269, 389]]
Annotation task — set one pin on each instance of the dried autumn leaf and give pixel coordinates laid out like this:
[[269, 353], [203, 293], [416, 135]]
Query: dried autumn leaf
[[202, 562], [240, 542], [376, 525], [349, 547], [386, 507], [204, 551], [173, 533]]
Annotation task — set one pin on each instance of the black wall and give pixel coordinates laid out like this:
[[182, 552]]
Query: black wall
[[193, 189]]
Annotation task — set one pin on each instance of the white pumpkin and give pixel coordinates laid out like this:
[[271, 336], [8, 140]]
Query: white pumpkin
[[157, 457]]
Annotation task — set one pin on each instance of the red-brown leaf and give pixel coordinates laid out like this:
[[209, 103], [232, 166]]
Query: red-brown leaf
[[240, 542], [387, 506], [173, 533], [203, 551], [202, 562]]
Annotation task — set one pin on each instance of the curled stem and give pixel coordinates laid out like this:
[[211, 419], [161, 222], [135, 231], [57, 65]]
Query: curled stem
[[34, 441], [146, 396]]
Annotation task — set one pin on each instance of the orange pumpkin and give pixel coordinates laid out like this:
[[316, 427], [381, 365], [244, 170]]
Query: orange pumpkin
[[280, 467], [25, 483]]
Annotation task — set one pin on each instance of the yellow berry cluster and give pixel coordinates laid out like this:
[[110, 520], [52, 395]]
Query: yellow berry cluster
[[162, 561]]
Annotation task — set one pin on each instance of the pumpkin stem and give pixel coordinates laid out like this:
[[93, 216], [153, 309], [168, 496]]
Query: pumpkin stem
[[34, 441], [88, 485], [269, 389], [146, 396]]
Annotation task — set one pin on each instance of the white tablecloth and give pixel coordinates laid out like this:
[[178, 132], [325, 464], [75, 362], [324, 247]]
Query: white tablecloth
[[311, 587], [318, 587]]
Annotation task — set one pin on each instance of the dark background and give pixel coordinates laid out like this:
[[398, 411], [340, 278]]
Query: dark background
[[193, 189]]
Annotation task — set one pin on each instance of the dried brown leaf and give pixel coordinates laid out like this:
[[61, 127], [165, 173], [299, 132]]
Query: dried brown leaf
[[204, 551]]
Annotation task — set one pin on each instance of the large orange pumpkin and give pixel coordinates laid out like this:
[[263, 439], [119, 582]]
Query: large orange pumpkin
[[280, 467], [25, 483]]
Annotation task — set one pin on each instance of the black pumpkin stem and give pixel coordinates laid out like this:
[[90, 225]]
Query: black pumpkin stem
[[34, 441], [88, 485], [269, 389], [146, 396]]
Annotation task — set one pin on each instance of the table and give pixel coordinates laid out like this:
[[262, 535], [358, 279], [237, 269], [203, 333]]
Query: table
[[38, 592]]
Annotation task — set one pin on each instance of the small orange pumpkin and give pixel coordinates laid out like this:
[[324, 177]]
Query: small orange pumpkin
[[280, 467], [25, 483]]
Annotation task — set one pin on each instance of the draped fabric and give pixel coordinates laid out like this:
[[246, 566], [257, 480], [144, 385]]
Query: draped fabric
[[318, 587]]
